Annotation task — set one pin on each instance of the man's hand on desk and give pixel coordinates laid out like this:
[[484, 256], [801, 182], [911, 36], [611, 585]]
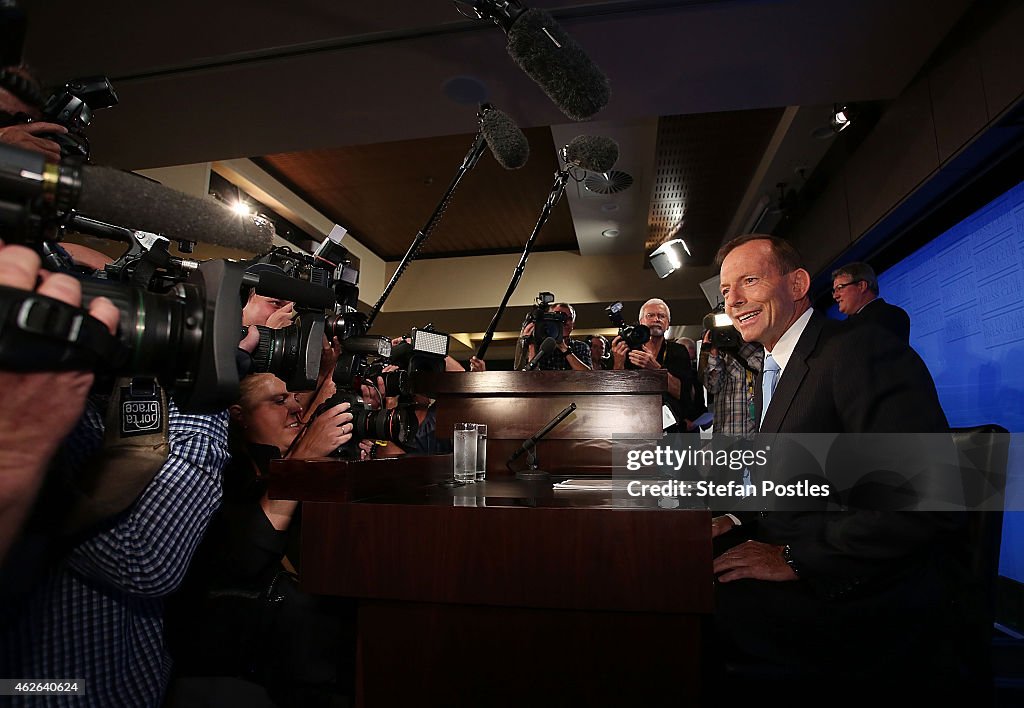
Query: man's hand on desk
[[753, 559]]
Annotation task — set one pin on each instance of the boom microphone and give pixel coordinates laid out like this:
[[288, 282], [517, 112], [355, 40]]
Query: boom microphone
[[506, 141], [591, 152], [550, 57], [129, 200]]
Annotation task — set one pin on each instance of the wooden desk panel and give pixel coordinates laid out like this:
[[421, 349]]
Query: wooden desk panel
[[637, 560]]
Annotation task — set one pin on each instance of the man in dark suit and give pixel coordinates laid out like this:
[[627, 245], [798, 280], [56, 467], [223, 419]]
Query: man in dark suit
[[851, 586], [855, 288]]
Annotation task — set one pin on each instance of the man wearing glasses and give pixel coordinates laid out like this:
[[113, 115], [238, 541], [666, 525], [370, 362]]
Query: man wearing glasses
[[855, 288], [660, 353]]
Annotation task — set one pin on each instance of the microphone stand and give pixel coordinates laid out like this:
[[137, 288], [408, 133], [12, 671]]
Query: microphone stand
[[468, 163], [532, 474], [557, 190]]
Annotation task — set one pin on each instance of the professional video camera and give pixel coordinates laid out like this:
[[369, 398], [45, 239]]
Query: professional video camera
[[180, 319], [723, 334], [72, 106], [545, 322], [325, 289], [634, 335]]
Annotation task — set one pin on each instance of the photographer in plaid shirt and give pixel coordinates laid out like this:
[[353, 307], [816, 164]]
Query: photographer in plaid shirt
[[730, 376]]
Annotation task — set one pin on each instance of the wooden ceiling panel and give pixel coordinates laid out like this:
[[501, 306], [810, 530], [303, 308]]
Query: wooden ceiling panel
[[385, 193], [704, 165]]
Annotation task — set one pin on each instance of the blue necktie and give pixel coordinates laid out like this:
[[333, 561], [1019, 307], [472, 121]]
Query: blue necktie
[[768, 382]]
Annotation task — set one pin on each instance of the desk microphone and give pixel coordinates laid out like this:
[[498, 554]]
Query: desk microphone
[[529, 445], [545, 348]]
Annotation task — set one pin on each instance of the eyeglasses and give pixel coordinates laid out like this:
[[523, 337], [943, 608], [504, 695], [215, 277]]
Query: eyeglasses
[[837, 288]]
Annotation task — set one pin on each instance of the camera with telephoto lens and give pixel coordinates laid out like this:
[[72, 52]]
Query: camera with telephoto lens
[[72, 106], [545, 322], [722, 333], [633, 335], [421, 350]]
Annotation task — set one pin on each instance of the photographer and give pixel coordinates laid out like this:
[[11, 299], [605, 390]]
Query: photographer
[[226, 622], [568, 354], [659, 353], [730, 375], [29, 432]]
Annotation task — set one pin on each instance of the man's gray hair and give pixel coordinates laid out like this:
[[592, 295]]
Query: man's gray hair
[[859, 271], [657, 301]]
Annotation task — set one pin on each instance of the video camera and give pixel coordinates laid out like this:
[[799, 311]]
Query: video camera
[[180, 318], [545, 322], [722, 333], [633, 335]]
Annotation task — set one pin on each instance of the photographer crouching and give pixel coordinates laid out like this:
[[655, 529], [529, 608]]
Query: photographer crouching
[[655, 352]]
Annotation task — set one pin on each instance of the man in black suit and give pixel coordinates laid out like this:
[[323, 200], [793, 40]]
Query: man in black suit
[[828, 589], [855, 288]]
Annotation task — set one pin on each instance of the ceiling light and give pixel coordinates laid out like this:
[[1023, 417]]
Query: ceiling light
[[842, 117], [610, 233], [241, 208], [667, 258]]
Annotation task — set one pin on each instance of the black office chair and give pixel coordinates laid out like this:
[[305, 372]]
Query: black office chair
[[983, 452]]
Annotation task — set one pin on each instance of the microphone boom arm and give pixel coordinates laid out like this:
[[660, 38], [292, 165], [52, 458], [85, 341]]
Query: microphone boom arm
[[557, 190], [468, 163]]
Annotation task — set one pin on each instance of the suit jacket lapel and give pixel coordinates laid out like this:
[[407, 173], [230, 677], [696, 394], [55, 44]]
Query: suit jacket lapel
[[792, 377]]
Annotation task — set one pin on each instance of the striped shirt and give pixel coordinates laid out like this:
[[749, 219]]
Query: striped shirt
[[97, 615]]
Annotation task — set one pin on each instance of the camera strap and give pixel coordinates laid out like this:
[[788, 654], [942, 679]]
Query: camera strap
[[135, 447], [39, 333]]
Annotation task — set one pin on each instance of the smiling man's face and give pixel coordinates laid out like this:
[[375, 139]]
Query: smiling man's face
[[762, 300]]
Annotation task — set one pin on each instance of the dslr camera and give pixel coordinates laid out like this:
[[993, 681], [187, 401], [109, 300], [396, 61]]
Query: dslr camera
[[545, 322], [421, 350], [634, 335], [72, 106]]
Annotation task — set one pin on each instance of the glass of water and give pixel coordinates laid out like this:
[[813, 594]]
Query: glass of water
[[465, 452]]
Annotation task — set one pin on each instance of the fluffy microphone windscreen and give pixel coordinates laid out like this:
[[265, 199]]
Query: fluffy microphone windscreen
[[128, 200], [507, 143], [592, 152], [565, 73]]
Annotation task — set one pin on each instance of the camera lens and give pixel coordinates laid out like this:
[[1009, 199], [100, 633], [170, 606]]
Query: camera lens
[[291, 353], [163, 333]]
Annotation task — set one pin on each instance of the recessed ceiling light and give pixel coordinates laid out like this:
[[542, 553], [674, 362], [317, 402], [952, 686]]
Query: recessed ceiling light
[[610, 206], [610, 233]]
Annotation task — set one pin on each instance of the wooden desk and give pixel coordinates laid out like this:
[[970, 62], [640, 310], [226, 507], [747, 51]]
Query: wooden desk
[[504, 592]]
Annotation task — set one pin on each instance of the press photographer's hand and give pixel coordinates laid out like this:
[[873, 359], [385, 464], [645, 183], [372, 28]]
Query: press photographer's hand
[[31, 136], [31, 430], [620, 352], [330, 430]]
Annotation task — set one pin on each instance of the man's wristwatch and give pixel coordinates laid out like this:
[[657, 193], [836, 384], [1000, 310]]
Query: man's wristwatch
[[787, 555]]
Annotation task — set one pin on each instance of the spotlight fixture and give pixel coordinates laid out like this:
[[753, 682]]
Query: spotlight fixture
[[842, 117], [667, 258], [241, 208]]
